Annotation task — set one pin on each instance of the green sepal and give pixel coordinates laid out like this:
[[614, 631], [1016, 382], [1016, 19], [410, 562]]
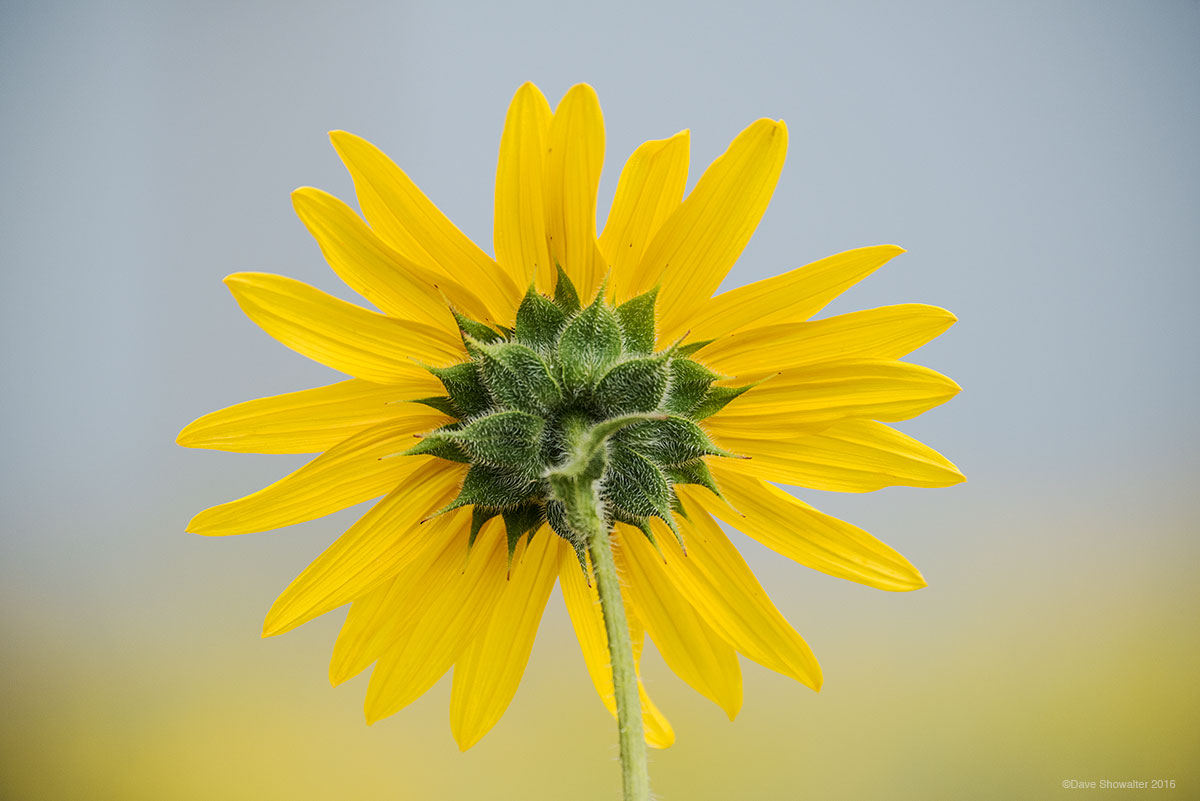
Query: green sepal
[[525, 519], [474, 330], [669, 519], [637, 385], [487, 485], [677, 508], [518, 377], [556, 517], [692, 347], [642, 524], [717, 399], [589, 345], [671, 441], [441, 446], [441, 403], [565, 294], [539, 320], [637, 322], [693, 472], [479, 516], [581, 555], [464, 387], [689, 384], [636, 485], [510, 439]]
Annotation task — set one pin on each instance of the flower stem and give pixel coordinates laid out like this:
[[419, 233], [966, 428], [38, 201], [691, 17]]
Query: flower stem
[[585, 518]]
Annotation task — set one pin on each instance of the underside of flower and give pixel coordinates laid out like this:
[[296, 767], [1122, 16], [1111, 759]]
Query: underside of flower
[[574, 392], [574, 406]]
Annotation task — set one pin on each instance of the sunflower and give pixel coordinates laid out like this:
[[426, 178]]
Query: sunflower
[[480, 377]]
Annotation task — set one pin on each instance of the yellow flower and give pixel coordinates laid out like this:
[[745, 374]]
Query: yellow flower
[[441, 575]]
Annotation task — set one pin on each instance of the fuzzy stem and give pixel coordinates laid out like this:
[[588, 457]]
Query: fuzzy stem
[[586, 519], [635, 775], [576, 485]]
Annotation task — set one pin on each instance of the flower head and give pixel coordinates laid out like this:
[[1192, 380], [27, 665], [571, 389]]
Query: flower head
[[480, 383]]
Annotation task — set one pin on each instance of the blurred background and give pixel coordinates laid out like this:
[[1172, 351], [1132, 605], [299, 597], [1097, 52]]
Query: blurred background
[[1039, 162]]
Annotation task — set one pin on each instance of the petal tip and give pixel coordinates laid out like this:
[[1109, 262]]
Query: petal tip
[[661, 740], [812, 676], [187, 438], [768, 127], [344, 143], [465, 739], [338, 136], [196, 524], [373, 712], [582, 88], [303, 193], [238, 279], [276, 621], [908, 580]]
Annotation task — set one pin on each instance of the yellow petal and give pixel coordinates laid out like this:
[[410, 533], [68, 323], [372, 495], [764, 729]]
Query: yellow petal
[[791, 527], [848, 456], [458, 603], [341, 335], [376, 548], [313, 420], [649, 190], [574, 158], [659, 733], [696, 653], [809, 398], [408, 221], [583, 606], [488, 672], [698, 244], [788, 298], [887, 332], [519, 219], [718, 583], [350, 472], [397, 285], [378, 620], [363, 622]]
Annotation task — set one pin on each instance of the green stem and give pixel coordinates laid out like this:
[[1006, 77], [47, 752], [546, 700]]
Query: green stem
[[585, 518]]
